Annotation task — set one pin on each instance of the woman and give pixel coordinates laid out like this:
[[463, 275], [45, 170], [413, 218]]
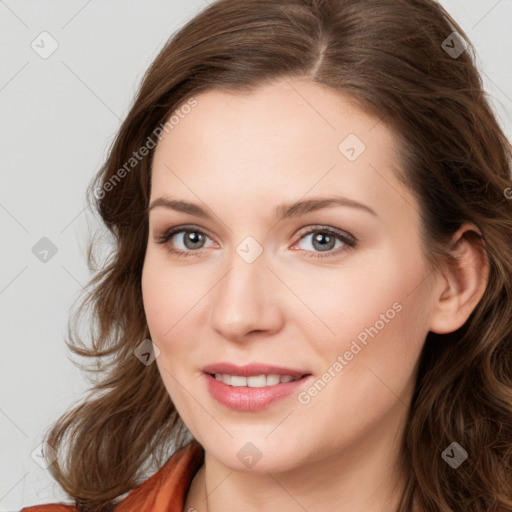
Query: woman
[[311, 274]]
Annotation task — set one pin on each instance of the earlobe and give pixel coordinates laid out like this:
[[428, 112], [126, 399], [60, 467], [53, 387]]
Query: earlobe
[[462, 284]]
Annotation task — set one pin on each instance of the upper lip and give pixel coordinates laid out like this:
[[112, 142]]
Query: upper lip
[[251, 370]]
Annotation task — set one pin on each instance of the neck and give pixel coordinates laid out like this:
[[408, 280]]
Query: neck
[[363, 477]]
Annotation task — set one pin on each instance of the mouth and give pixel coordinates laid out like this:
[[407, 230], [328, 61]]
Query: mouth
[[252, 387]]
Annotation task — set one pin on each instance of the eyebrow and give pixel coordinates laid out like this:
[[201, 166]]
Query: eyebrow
[[283, 211]]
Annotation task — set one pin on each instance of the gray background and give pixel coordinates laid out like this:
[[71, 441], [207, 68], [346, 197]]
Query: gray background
[[59, 115]]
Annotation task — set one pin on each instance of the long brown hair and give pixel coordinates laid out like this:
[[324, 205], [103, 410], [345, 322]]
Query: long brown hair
[[400, 61]]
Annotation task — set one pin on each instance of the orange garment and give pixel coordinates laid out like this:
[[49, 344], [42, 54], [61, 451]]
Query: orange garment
[[165, 491]]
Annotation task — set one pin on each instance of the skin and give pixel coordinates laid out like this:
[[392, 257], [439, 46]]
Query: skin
[[240, 156]]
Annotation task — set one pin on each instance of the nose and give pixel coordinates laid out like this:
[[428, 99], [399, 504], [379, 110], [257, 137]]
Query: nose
[[246, 301]]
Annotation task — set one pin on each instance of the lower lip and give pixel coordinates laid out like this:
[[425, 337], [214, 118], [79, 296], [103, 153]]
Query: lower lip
[[244, 398]]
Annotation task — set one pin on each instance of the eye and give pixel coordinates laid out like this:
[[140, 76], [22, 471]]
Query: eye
[[189, 240], [324, 239]]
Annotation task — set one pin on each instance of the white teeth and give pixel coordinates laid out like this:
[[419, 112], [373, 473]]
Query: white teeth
[[254, 381], [237, 381], [272, 380]]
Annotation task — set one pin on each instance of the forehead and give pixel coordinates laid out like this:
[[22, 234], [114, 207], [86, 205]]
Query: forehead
[[279, 142]]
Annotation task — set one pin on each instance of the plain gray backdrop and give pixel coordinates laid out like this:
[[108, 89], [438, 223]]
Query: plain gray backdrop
[[59, 113]]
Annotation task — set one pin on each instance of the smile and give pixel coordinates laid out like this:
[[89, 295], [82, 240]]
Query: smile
[[253, 386]]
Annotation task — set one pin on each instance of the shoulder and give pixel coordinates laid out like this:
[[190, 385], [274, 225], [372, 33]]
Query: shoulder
[[167, 487]]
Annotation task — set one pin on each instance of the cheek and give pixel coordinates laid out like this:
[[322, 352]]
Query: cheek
[[367, 367], [355, 295], [169, 293], [167, 297]]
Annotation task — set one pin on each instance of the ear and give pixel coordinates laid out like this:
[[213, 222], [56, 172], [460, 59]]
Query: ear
[[461, 285]]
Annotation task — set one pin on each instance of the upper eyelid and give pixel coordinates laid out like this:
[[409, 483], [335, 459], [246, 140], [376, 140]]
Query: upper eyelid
[[178, 229]]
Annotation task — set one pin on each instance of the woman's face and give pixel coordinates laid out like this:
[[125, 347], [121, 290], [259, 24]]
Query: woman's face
[[251, 183]]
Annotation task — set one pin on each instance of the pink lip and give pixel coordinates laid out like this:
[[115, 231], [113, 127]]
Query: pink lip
[[245, 398]]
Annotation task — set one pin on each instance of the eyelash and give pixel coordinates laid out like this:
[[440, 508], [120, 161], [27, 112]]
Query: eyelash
[[349, 241]]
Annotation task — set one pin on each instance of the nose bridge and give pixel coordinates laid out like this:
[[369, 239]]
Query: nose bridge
[[245, 298]]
